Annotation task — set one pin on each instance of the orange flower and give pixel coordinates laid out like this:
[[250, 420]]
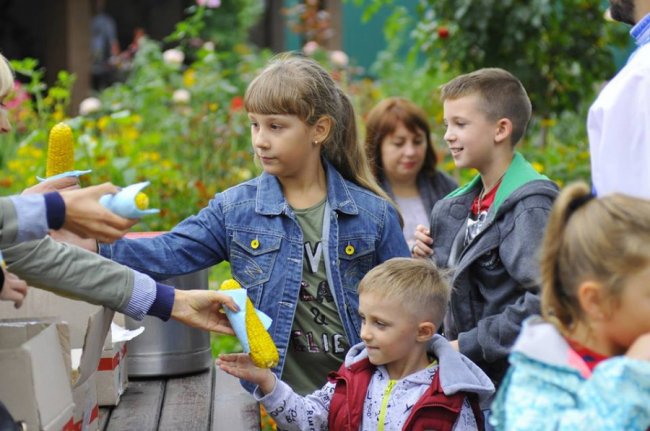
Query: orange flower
[[236, 104]]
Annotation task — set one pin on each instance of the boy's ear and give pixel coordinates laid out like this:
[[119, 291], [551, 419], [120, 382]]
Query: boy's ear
[[503, 130], [322, 128], [426, 331]]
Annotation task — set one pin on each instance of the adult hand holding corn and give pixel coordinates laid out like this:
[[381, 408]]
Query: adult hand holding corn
[[86, 217], [82, 213], [249, 328]]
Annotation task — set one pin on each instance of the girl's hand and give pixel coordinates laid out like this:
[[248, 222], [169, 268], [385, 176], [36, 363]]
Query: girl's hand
[[241, 366], [640, 349], [423, 242], [14, 289]]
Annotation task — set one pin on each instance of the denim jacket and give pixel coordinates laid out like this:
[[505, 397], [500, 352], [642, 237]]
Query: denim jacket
[[252, 226]]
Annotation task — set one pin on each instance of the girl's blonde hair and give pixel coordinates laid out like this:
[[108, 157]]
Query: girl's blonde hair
[[601, 239], [295, 85], [6, 77]]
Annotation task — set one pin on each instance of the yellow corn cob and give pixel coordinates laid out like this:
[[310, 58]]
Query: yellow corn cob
[[263, 352], [141, 201], [60, 150]]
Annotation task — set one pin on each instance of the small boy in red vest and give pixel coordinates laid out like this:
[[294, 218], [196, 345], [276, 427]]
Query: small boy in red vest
[[403, 376]]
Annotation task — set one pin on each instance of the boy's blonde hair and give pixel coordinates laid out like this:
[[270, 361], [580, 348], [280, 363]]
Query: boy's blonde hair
[[417, 284], [502, 96], [296, 85], [6, 77], [602, 239]]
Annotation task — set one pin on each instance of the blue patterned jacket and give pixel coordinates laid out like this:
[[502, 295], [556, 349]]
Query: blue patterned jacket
[[548, 387]]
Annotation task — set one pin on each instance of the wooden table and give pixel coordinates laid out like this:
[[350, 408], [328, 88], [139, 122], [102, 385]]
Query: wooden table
[[207, 401]]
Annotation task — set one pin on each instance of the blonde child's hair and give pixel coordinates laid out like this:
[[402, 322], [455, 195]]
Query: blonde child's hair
[[603, 239], [6, 77], [296, 85], [502, 96], [417, 284]]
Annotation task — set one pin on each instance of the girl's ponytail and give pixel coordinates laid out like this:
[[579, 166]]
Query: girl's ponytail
[[559, 304], [605, 240]]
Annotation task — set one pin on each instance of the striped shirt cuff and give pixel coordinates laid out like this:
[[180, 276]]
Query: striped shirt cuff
[[31, 216], [143, 296]]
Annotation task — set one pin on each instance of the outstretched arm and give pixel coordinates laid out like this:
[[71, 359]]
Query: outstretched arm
[[78, 210], [203, 309], [240, 365]]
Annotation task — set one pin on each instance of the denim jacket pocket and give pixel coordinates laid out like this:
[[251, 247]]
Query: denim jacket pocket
[[252, 256], [356, 258]]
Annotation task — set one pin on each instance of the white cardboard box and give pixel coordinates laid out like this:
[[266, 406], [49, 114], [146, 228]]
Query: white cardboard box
[[112, 375], [89, 330], [34, 376]]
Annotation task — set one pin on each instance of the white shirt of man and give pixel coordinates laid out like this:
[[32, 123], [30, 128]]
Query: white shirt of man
[[619, 125]]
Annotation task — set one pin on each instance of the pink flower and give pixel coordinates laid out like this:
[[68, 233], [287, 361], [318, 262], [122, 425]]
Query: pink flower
[[19, 96], [339, 58], [310, 47], [209, 3]]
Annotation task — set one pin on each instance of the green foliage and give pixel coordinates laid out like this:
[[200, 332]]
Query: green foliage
[[226, 25], [556, 47], [181, 127]]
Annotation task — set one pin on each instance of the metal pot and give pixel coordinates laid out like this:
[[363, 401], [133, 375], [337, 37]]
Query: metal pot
[[169, 348]]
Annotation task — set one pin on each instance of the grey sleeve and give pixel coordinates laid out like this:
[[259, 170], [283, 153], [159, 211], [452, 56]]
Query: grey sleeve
[[494, 335], [71, 271]]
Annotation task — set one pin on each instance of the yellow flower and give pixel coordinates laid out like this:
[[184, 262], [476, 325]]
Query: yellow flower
[[131, 133], [213, 107], [538, 167], [103, 122], [189, 77], [548, 122]]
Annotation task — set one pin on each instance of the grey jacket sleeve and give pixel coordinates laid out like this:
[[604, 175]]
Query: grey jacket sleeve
[[494, 335], [71, 271]]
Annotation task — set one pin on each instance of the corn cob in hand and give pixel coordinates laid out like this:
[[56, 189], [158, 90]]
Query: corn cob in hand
[[263, 351], [60, 150], [130, 202]]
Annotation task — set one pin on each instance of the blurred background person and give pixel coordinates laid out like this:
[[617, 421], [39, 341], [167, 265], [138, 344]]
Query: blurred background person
[[402, 157]]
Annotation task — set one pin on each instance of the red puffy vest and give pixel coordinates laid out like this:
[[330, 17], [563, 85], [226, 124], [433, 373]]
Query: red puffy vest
[[434, 410]]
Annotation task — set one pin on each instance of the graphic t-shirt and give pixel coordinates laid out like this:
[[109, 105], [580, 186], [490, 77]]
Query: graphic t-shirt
[[318, 343], [478, 214]]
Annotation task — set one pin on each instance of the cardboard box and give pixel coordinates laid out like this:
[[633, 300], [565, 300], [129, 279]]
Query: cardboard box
[[89, 329], [112, 375], [84, 394], [34, 376], [84, 387]]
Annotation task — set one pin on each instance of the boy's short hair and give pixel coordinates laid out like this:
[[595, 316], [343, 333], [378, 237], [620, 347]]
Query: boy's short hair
[[415, 283], [502, 95]]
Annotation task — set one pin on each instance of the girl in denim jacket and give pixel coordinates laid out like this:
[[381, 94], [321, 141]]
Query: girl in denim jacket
[[586, 365], [300, 236]]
